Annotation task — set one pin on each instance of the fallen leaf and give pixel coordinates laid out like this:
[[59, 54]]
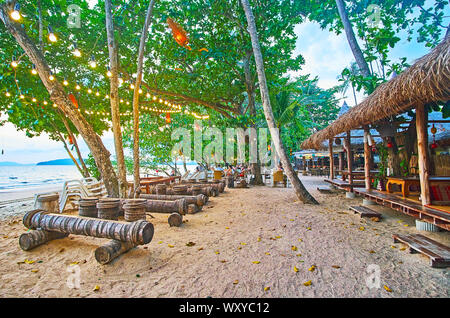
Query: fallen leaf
[[62, 250], [28, 261], [372, 252], [170, 245], [361, 228], [190, 244], [200, 249], [242, 243], [217, 252], [312, 268], [267, 253], [34, 270], [256, 262], [258, 239], [278, 237], [299, 255], [387, 289], [393, 246], [160, 242], [266, 288], [227, 228], [308, 228], [300, 240], [295, 269], [293, 247], [223, 261], [335, 266], [236, 282], [308, 283], [291, 220], [96, 288]]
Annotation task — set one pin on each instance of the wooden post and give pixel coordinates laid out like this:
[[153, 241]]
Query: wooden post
[[367, 158], [422, 151], [349, 160], [330, 148], [341, 161]]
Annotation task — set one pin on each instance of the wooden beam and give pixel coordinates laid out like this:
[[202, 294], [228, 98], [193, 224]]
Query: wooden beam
[[367, 159], [330, 147], [422, 151]]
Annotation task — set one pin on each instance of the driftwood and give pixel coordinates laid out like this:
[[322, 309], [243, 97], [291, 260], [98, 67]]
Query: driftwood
[[160, 206], [111, 250], [139, 232], [175, 219], [32, 239], [199, 200]]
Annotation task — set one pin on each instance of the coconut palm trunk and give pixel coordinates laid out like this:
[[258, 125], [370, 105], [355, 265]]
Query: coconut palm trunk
[[140, 62], [300, 190], [114, 99], [351, 38]]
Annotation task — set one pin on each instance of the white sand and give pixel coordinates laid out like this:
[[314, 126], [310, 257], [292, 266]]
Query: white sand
[[231, 225]]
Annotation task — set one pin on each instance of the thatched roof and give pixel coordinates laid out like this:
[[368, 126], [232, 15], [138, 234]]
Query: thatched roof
[[426, 81]]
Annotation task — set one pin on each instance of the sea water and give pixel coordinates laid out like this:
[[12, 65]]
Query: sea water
[[32, 176]]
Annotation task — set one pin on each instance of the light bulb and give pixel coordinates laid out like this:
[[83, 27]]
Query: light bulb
[[131, 86], [45, 102], [51, 77], [65, 82], [140, 90], [76, 52], [89, 91], [33, 99], [154, 97], [107, 96], [15, 14], [77, 87], [51, 35], [92, 63], [7, 94], [160, 100], [22, 96], [120, 81], [33, 70], [148, 95], [14, 64], [97, 94], [121, 100], [108, 73]]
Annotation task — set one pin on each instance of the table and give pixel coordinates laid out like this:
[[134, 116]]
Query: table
[[404, 182]]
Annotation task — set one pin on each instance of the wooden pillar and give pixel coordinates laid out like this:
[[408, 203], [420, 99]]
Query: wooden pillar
[[422, 151], [341, 161], [330, 148], [349, 160], [367, 158]]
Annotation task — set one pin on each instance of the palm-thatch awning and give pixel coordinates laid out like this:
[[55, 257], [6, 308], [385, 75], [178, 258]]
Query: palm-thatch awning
[[426, 81]]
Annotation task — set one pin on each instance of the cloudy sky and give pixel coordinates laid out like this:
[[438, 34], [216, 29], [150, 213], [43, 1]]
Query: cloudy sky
[[326, 55]]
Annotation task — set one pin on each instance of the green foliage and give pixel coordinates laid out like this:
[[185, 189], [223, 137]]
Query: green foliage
[[92, 167]]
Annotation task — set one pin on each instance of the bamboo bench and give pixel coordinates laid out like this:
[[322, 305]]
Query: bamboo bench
[[365, 211], [438, 253]]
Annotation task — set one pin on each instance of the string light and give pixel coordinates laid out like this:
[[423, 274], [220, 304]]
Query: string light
[[108, 72], [131, 86], [45, 102], [120, 81], [65, 82], [7, 94], [89, 91], [15, 14], [14, 63], [33, 69], [140, 90], [147, 95], [51, 36], [76, 51], [78, 87], [51, 77], [21, 96], [97, 93], [34, 100], [93, 63]]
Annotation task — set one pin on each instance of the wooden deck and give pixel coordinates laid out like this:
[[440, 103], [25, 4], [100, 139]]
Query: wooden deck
[[408, 206]]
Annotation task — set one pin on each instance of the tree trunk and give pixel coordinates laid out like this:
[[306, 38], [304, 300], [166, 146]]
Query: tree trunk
[[114, 98], [140, 61], [367, 159], [59, 97], [354, 46], [300, 190], [422, 152], [85, 171]]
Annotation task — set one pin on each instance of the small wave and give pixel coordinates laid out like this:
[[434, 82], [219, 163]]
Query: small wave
[[13, 178]]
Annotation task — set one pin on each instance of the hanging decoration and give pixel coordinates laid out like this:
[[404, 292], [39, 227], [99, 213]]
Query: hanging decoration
[[179, 34], [73, 100], [70, 140], [337, 141], [168, 118], [434, 131], [389, 143]]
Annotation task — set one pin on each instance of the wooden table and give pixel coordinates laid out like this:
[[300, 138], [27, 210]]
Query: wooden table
[[404, 182], [148, 181]]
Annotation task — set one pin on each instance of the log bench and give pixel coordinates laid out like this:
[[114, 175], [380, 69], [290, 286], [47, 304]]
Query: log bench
[[365, 211], [324, 189], [438, 253]]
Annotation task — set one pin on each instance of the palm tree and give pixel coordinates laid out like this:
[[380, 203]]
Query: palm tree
[[345, 77]]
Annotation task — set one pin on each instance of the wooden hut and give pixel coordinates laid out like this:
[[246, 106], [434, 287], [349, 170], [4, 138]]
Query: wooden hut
[[426, 82]]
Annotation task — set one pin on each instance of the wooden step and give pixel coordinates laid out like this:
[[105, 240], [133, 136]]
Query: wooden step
[[438, 253], [324, 189], [365, 211]]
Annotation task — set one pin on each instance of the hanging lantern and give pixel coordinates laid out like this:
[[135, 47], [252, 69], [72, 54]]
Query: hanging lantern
[[73, 100], [337, 141], [390, 144], [434, 131], [168, 118], [70, 140], [179, 34]]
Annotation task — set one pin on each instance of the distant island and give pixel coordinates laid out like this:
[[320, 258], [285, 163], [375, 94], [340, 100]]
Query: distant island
[[57, 162]]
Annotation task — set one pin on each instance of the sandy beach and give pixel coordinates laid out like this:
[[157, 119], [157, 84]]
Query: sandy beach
[[256, 242]]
